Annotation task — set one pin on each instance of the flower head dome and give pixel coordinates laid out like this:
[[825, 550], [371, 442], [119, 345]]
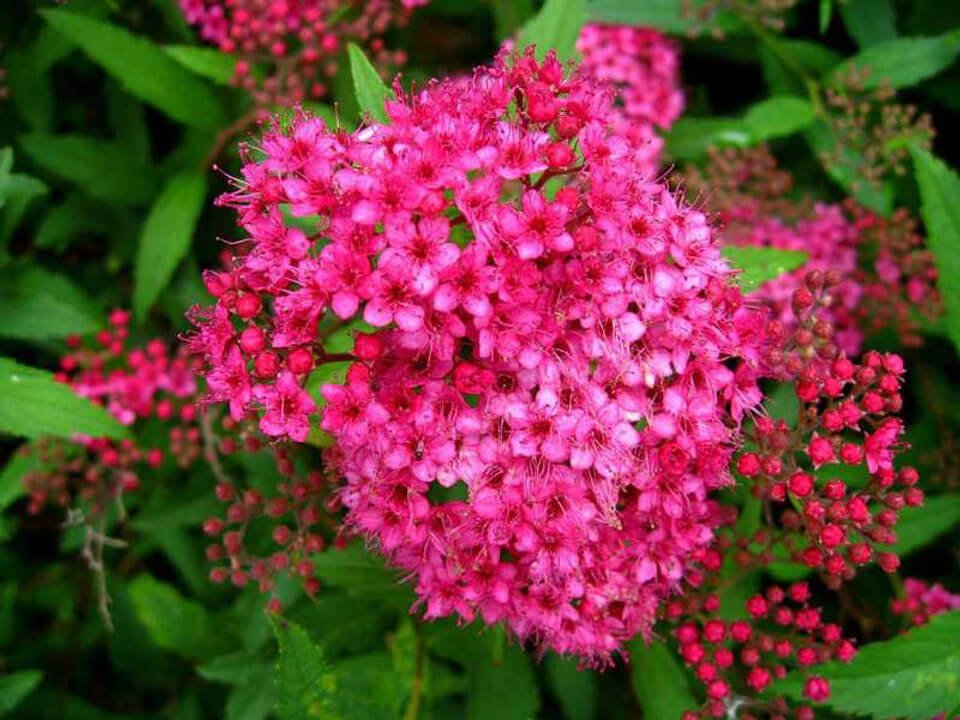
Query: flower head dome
[[558, 364]]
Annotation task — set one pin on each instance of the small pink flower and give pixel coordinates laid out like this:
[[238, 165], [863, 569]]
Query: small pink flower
[[287, 407]]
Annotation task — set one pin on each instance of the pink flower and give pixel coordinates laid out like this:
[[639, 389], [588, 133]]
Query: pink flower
[[231, 382], [288, 407], [877, 446], [351, 411]]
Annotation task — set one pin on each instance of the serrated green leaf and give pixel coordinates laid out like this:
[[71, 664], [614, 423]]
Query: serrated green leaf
[[757, 265], [166, 237], [40, 305], [368, 86], [911, 677], [658, 681], [920, 526], [574, 687], [665, 15], [869, 22], [205, 62], [306, 684], [939, 190], [143, 69], [15, 687], [344, 623], [556, 27], [101, 168], [778, 117], [33, 404], [901, 62], [174, 622]]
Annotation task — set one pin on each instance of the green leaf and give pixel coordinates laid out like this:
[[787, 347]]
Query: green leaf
[[306, 684], [574, 687], [101, 168], [845, 166], [826, 15], [33, 404], [15, 687], [205, 62], [502, 687], [174, 622], [920, 526], [360, 573], [556, 27], [691, 137], [22, 461], [234, 669], [39, 305], [166, 237], [665, 15], [143, 68], [75, 217], [939, 191], [902, 62], [368, 86], [658, 681], [509, 15], [869, 22], [778, 117], [251, 700], [911, 677], [17, 191], [128, 121], [759, 264]]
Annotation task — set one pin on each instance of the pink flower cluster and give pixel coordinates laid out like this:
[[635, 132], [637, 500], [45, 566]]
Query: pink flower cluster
[[830, 243], [642, 67], [133, 386], [559, 362], [885, 276], [299, 40], [923, 600]]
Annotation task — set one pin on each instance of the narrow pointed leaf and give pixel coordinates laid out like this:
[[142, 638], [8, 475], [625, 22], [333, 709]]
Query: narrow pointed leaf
[[368, 86], [166, 237]]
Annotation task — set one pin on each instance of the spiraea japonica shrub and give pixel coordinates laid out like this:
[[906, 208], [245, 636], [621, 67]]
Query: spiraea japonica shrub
[[566, 374]]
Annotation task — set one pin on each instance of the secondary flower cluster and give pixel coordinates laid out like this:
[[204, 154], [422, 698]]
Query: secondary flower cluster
[[737, 661], [642, 67], [286, 520], [134, 386], [885, 275], [831, 470], [923, 600], [297, 42], [556, 373]]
